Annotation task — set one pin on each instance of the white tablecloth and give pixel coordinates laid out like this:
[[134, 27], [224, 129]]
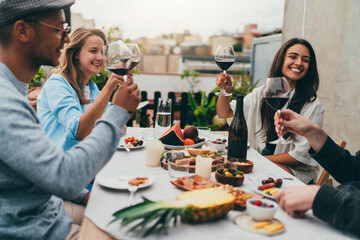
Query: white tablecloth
[[104, 202]]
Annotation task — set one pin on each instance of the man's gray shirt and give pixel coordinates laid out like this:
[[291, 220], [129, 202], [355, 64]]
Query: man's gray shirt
[[35, 174]]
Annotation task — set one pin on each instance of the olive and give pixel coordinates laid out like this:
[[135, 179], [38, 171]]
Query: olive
[[264, 182]]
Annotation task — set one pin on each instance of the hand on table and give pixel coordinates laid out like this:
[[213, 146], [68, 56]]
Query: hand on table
[[224, 81], [296, 200]]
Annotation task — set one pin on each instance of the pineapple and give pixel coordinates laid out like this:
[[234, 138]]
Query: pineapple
[[194, 206]]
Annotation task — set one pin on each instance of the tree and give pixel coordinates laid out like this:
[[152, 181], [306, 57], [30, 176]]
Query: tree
[[238, 46], [191, 78]]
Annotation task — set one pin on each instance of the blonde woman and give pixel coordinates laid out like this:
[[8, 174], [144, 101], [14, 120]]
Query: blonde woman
[[70, 102]]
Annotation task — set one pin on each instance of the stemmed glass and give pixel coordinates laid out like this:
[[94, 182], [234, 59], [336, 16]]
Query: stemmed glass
[[135, 54], [277, 93], [224, 58], [117, 57]]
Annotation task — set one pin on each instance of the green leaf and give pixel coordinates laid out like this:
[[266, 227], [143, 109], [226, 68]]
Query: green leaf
[[192, 102]]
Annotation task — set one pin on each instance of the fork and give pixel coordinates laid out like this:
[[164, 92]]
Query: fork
[[132, 189]]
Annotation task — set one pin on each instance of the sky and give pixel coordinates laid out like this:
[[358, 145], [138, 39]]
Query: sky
[[151, 18]]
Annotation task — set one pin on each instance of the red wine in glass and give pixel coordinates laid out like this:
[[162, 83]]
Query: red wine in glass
[[276, 102], [119, 71], [134, 64], [276, 94], [224, 64], [224, 58], [117, 57]]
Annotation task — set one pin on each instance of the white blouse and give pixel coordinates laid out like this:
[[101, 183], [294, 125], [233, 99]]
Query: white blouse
[[86, 92], [299, 147]]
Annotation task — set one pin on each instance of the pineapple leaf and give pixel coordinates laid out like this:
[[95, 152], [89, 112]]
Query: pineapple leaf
[[138, 210]]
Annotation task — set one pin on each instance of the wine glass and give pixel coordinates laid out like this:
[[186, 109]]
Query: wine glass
[[117, 57], [135, 54], [277, 92], [224, 58]]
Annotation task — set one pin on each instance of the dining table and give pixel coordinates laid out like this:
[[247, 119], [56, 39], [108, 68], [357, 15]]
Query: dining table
[[105, 200]]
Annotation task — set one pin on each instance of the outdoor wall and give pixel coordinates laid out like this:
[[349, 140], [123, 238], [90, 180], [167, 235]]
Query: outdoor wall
[[164, 83], [333, 29]]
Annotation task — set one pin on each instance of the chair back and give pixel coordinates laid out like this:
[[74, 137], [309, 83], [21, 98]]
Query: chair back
[[325, 176]]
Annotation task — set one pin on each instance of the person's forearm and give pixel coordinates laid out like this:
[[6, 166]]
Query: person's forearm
[[95, 111], [316, 137], [284, 159], [223, 107]]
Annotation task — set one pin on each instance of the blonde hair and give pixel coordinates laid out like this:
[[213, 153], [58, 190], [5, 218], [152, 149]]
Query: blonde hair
[[69, 66]]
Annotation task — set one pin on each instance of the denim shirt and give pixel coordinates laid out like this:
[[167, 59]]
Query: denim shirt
[[59, 110], [35, 173]]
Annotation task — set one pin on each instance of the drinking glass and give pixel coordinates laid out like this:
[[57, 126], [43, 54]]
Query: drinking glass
[[178, 170], [277, 93], [135, 54], [117, 57], [224, 58], [163, 117]]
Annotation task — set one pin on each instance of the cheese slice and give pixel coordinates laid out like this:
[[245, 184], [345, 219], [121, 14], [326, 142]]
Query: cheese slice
[[261, 224], [274, 227]]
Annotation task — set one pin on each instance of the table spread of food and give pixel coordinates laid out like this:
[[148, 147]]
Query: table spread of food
[[203, 199]]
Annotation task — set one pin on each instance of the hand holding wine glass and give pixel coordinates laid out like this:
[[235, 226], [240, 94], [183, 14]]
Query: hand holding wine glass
[[224, 58], [276, 93]]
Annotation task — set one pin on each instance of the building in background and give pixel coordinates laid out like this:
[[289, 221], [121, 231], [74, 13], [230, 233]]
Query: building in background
[[77, 21]]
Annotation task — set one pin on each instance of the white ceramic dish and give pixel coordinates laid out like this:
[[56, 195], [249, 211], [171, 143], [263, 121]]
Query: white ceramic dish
[[261, 213], [246, 222], [286, 182], [218, 147], [119, 180], [121, 145], [173, 147]]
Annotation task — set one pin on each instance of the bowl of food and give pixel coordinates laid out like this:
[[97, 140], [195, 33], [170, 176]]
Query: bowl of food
[[261, 209], [218, 144], [229, 176], [245, 166]]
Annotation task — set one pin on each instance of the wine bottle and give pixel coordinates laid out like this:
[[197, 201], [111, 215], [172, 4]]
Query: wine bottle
[[238, 133]]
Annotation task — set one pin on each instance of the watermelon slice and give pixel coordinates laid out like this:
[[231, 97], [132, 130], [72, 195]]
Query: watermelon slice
[[173, 136]]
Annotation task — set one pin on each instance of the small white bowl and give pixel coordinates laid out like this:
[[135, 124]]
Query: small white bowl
[[261, 213], [218, 147]]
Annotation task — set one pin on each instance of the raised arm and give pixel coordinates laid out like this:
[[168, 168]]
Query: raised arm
[[223, 108], [97, 108]]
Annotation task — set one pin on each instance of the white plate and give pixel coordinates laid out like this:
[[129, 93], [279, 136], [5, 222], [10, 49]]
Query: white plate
[[142, 104], [182, 147], [246, 222], [119, 180], [286, 182], [121, 145]]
